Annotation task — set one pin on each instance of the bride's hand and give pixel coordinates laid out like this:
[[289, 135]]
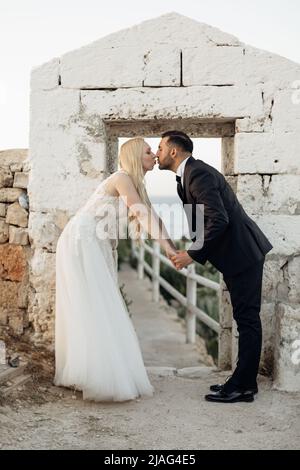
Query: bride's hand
[[171, 251]]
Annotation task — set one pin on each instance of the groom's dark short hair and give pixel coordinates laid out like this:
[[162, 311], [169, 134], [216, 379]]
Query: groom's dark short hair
[[180, 139]]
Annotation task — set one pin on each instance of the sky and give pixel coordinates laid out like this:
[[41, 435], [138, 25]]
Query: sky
[[34, 31]]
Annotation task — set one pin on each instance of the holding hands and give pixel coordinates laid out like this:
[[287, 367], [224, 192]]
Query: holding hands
[[179, 258]]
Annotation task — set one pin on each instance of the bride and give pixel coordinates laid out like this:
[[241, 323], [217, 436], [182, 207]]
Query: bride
[[96, 347]]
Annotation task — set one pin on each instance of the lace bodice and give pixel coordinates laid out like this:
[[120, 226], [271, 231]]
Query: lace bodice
[[103, 214], [101, 199]]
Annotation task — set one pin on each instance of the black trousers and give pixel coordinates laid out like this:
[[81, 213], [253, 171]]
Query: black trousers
[[245, 295]]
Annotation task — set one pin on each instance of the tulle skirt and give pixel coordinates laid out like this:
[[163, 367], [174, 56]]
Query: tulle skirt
[[96, 347]]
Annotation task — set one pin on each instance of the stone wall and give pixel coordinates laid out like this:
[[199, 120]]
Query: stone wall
[[15, 250], [167, 72]]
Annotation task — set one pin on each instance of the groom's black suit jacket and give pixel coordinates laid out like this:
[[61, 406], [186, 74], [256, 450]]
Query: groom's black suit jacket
[[232, 240]]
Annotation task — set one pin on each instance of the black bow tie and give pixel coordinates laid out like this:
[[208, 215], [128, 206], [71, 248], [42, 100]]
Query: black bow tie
[[178, 179]]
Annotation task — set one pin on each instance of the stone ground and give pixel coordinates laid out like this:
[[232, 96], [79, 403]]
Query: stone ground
[[41, 416]]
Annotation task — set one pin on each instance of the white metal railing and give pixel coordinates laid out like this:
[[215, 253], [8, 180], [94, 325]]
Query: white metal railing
[[192, 279]]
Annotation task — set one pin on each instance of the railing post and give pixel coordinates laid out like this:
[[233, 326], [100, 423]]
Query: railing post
[[191, 293], [156, 270], [133, 246], [141, 261]]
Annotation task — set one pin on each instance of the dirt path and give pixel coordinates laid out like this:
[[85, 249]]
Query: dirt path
[[177, 417]]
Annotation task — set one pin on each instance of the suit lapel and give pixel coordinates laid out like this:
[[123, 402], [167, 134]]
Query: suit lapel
[[187, 171]]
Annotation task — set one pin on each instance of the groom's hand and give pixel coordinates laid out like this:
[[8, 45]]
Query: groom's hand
[[181, 259]]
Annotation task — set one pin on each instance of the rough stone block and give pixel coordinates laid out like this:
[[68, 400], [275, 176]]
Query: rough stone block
[[269, 193], [286, 112], [53, 108], [225, 349], [165, 30], [267, 153], [9, 294], [3, 316], [283, 231], [13, 262], [162, 66], [23, 292], [212, 65], [43, 270], [268, 319], [3, 209], [67, 148], [225, 311], [6, 178], [45, 301], [45, 76], [263, 67], [20, 180], [93, 67], [239, 65], [13, 159], [10, 194], [41, 316], [16, 320], [170, 28], [44, 229], [187, 102], [18, 235], [227, 150], [17, 215], [287, 364], [293, 273], [261, 123], [248, 124], [275, 285], [16, 167], [4, 231]]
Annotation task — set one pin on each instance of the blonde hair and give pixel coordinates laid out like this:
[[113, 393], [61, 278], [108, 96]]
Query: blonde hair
[[130, 160]]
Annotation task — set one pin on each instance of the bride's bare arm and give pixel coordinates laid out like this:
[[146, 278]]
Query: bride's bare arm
[[147, 217]]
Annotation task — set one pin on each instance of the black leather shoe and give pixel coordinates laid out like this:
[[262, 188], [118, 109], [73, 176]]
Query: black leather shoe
[[233, 397], [219, 388]]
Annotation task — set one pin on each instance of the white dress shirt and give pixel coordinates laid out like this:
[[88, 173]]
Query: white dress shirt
[[180, 169]]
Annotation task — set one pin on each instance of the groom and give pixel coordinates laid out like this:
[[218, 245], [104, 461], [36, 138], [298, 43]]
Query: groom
[[233, 243]]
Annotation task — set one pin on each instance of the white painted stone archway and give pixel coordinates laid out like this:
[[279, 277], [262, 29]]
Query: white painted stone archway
[[172, 72]]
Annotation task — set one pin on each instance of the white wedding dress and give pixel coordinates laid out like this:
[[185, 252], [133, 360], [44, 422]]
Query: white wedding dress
[[96, 347]]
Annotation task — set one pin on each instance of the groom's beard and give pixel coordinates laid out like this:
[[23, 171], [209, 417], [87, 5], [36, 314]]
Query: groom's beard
[[164, 166]]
